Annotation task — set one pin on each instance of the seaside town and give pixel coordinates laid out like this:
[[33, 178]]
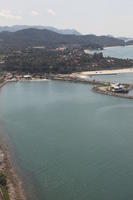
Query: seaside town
[[61, 60], [9, 187], [103, 87], [66, 100], [65, 58]]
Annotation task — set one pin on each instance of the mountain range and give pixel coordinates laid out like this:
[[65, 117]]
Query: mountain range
[[126, 39], [43, 37], [22, 27]]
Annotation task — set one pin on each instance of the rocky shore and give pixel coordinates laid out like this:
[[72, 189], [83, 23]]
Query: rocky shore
[[14, 186], [109, 93], [2, 84], [98, 85], [13, 189]]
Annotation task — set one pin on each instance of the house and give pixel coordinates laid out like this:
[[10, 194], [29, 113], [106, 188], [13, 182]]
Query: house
[[118, 88], [27, 77]]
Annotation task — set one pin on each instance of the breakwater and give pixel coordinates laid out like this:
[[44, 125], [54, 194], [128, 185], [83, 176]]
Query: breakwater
[[77, 80], [109, 93], [4, 83], [97, 85]]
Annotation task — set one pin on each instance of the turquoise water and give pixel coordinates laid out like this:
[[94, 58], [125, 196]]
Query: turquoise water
[[70, 143], [119, 52]]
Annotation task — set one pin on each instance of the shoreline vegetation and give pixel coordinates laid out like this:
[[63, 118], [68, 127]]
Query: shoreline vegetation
[[10, 184], [87, 77], [40, 55], [102, 87], [14, 190]]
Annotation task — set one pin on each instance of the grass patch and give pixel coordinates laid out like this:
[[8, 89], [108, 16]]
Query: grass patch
[[4, 191], [3, 186], [1, 81]]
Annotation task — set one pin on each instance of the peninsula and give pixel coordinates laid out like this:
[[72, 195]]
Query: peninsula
[[64, 59]]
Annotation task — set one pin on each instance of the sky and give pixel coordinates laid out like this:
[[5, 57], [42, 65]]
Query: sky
[[101, 17]]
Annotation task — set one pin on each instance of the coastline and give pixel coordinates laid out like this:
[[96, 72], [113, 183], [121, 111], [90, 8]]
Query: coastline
[[107, 93], [14, 184], [15, 188], [109, 47], [104, 72], [4, 83], [97, 84]]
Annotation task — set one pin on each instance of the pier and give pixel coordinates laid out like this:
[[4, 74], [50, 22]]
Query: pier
[[99, 86]]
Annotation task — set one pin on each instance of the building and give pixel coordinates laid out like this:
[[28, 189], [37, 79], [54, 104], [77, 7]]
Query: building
[[28, 77], [118, 88]]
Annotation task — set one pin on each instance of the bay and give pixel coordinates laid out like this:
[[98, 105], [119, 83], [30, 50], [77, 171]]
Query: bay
[[125, 52], [119, 52], [69, 142]]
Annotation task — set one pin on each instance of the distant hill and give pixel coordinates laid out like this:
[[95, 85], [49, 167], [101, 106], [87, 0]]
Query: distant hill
[[126, 39], [129, 42], [22, 27], [36, 37]]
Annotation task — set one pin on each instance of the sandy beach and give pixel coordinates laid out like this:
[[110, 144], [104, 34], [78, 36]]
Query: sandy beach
[[14, 183], [103, 72]]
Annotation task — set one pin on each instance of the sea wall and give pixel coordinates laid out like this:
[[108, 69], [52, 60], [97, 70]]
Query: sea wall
[[77, 80], [97, 85], [4, 83], [109, 93]]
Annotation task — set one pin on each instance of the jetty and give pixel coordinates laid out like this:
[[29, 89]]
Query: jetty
[[101, 87]]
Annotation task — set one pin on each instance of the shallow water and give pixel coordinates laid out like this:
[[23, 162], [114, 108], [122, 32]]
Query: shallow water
[[70, 142]]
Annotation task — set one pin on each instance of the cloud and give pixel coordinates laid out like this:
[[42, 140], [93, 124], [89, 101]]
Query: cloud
[[9, 15], [34, 13], [51, 12]]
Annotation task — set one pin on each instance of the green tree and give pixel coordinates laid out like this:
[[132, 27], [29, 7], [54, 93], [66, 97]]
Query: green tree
[[3, 181]]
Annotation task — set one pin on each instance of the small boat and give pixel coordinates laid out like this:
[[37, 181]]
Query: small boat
[[120, 90]]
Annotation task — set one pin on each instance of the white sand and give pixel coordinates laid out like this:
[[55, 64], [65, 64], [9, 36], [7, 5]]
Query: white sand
[[103, 72], [34, 79]]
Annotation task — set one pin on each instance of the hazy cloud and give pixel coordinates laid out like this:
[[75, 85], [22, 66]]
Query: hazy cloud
[[9, 15], [51, 12], [34, 13]]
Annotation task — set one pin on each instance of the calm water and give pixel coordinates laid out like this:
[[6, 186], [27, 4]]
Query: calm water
[[119, 52], [119, 78], [71, 143]]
